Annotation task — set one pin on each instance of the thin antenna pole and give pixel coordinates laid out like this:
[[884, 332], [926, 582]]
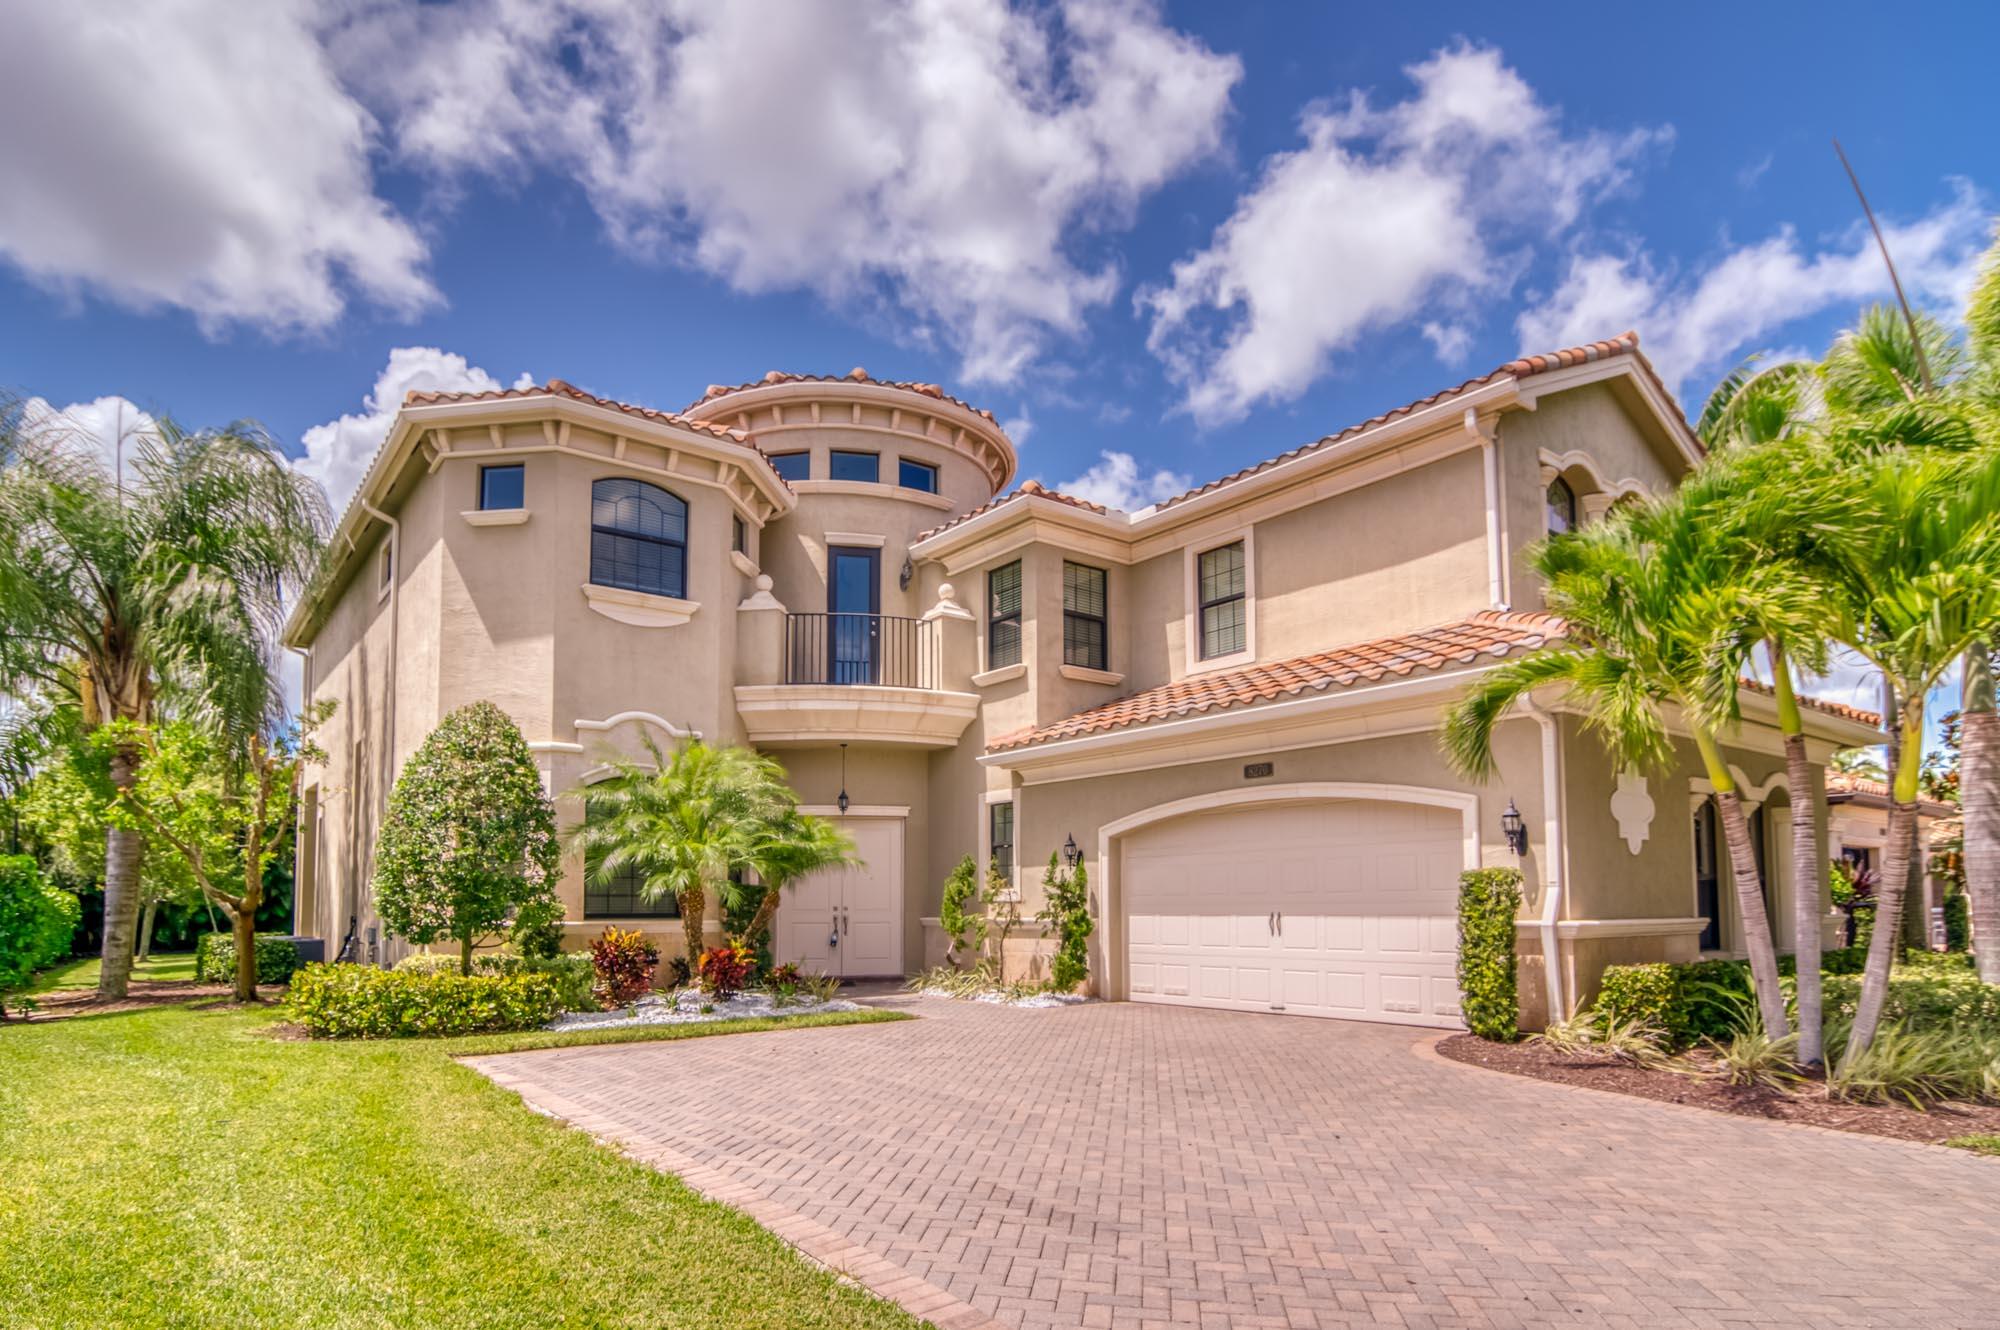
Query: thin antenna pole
[[1916, 339]]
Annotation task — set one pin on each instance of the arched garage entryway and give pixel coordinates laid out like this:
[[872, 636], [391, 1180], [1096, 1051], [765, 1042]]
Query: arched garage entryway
[[1331, 899]]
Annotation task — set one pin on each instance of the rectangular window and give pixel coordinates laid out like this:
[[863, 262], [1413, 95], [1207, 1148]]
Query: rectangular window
[[1083, 616], [1000, 838], [385, 564], [916, 475], [792, 466], [623, 896], [1003, 616], [1219, 582], [855, 466], [739, 535], [502, 487]]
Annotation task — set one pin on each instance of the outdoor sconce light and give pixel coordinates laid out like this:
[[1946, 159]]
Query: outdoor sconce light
[[1516, 830], [903, 578], [842, 800], [1071, 855]]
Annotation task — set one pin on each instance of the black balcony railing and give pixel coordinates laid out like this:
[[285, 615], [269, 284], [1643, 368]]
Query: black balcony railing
[[860, 649]]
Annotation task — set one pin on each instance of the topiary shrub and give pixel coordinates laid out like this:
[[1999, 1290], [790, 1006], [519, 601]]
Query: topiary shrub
[[36, 921], [361, 1002], [572, 971], [964, 928], [215, 958], [1488, 901]]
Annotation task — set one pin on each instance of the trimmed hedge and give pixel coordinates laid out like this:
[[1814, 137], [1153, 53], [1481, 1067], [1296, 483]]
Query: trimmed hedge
[[1687, 1003], [361, 1002], [571, 970], [1488, 901], [215, 958], [37, 920]]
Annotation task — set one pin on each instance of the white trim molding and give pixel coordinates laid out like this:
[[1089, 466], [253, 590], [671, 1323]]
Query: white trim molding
[[1084, 674], [988, 678], [640, 609], [645, 717], [856, 810], [863, 713], [859, 539], [495, 516], [874, 489]]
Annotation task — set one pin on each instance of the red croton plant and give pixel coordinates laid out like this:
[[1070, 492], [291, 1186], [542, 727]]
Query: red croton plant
[[624, 962], [725, 969]]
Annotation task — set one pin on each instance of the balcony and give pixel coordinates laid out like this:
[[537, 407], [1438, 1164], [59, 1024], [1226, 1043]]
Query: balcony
[[857, 678]]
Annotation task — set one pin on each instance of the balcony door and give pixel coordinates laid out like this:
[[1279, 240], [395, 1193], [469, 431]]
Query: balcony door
[[854, 609]]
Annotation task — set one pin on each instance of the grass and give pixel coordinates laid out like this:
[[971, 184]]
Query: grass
[[1979, 1145], [164, 967], [177, 1167]]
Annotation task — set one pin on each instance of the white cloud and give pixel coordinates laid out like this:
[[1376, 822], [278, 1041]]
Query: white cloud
[[929, 164], [338, 452], [1380, 214], [1018, 428], [96, 427], [1450, 341], [1699, 321], [1116, 482], [199, 155]]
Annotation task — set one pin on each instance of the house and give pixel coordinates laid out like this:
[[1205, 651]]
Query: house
[[1227, 703], [1858, 833]]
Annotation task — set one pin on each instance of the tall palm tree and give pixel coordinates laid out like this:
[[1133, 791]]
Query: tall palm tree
[[1979, 724], [683, 821], [786, 849], [158, 589], [1642, 593]]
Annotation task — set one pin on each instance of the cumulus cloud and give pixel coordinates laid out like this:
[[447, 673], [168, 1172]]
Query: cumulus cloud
[[1700, 320], [96, 427], [1382, 212], [199, 155], [934, 161], [1116, 482], [338, 452]]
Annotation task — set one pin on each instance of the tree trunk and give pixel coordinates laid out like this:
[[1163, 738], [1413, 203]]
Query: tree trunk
[[694, 907], [1751, 915], [1882, 946], [146, 920], [1808, 898], [124, 849], [767, 910], [243, 928], [1979, 799], [465, 954]]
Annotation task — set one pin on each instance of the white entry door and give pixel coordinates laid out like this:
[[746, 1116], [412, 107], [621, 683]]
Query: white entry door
[[849, 921], [1341, 909]]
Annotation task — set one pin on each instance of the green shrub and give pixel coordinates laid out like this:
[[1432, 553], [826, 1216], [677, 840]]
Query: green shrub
[[571, 971], [215, 958], [1917, 1066], [1924, 999], [1649, 994], [1843, 960], [1688, 1003], [964, 928], [37, 920], [361, 1002], [1066, 914], [1488, 901], [1957, 922]]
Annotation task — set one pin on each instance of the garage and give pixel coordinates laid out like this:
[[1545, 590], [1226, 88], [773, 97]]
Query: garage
[[1341, 908]]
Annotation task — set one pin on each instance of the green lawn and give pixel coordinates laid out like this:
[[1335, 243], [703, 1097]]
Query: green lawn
[[170, 966], [1979, 1145], [178, 1167]]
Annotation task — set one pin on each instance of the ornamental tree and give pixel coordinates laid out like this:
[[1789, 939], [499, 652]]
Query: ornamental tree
[[470, 838]]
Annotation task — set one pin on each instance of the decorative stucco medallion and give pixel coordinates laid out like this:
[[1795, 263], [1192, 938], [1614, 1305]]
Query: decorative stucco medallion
[[1633, 807]]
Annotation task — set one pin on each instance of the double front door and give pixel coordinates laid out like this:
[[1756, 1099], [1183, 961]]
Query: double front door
[[848, 922]]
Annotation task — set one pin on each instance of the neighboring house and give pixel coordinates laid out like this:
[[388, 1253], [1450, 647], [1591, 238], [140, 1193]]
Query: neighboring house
[[1227, 702], [1858, 831]]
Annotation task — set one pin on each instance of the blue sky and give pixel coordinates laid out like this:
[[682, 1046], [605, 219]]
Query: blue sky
[[1153, 240]]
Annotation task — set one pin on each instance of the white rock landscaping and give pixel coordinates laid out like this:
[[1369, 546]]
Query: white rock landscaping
[[690, 1006]]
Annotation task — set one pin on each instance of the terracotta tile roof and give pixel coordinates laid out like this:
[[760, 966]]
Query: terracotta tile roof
[[855, 375], [1487, 633], [560, 388], [1845, 712], [1625, 344], [1840, 782], [1026, 489], [1840, 786]]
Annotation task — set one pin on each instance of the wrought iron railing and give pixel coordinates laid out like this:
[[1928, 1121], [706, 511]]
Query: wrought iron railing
[[860, 649]]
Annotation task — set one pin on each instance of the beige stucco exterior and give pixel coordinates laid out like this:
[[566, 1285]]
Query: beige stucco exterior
[[1419, 520]]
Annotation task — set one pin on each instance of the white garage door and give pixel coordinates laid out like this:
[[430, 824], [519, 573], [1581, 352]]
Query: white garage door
[[1344, 909]]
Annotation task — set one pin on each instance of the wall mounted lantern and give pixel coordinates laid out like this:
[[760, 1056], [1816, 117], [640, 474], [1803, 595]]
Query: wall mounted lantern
[[1071, 855], [842, 800], [1516, 830], [909, 571]]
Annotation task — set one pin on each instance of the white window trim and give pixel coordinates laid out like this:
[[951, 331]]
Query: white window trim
[[1191, 592], [991, 673]]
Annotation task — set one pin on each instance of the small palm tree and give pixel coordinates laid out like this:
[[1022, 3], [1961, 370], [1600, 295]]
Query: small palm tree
[[156, 591], [787, 848], [683, 821]]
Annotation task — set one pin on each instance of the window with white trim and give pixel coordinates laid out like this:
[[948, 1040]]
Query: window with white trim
[[638, 538], [1000, 839], [1003, 616], [1222, 586], [1085, 606]]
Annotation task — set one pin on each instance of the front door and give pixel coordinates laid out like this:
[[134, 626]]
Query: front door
[[854, 608], [1707, 877], [848, 922]]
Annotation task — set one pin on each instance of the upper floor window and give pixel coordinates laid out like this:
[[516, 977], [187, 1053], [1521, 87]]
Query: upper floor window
[[1562, 507], [916, 475], [1003, 616], [1223, 588], [502, 487], [638, 538], [854, 466], [792, 466], [385, 565], [739, 534], [1083, 616]]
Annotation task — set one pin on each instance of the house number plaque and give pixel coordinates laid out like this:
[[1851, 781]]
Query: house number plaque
[[1257, 770]]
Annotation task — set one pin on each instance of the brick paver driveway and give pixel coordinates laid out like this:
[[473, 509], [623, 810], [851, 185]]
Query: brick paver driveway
[[1122, 1165]]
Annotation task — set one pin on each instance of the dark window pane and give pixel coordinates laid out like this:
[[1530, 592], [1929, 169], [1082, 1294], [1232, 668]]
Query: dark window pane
[[1083, 642], [638, 538], [1220, 584], [1000, 838], [855, 466], [916, 476], [502, 487], [1222, 574], [1084, 602], [623, 897], [1003, 616], [1562, 507], [792, 466], [739, 535]]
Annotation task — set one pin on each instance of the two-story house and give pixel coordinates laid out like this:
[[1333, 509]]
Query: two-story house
[[1226, 705]]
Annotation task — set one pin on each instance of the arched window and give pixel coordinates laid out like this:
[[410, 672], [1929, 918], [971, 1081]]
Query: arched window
[[1562, 507], [638, 538]]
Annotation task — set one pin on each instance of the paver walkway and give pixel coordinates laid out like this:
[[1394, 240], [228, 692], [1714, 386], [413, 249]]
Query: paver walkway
[[1126, 1165]]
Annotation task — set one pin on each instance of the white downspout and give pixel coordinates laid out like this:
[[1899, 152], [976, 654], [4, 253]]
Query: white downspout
[[298, 822], [395, 623], [1555, 851], [1496, 555]]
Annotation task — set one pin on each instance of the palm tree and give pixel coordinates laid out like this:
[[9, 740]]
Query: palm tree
[[1859, 762], [1979, 724], [155, 590], [787, 848], [1643, 593], [683, 821]]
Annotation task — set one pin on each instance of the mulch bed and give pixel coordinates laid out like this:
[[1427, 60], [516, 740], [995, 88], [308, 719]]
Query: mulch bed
[[139, 995], [1944, 1122]]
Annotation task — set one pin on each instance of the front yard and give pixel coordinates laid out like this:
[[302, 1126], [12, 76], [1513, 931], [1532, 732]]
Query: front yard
[[180, 1166]]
